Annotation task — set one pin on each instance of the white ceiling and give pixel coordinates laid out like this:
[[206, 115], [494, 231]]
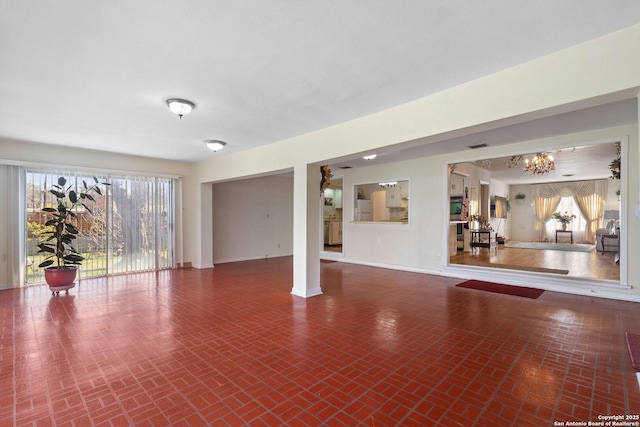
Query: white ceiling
[[95, 74], [573, 164]]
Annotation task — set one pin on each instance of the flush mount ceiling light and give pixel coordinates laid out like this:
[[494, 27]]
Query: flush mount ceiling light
[[214, 144], [180, 106], [370, 157]]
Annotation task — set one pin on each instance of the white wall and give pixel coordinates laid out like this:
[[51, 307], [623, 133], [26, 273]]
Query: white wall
[[21, 152], [600, 71], [500, 225], [417, 245], [252, 219], [522, 220]]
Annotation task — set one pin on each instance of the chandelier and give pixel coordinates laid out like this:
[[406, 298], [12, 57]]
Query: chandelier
[[484, 164], [540, 164]]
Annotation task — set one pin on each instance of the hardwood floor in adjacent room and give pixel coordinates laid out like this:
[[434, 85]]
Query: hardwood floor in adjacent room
[[580, 264], [231, 346]]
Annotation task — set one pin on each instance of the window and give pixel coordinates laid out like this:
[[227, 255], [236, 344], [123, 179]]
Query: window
[[385, 202], [577, 226], [129, 228]]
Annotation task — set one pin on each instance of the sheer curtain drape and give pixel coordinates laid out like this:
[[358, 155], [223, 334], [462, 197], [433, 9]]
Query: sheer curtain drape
[[544, 207], [588, 195], [592, 208], [12, 226]]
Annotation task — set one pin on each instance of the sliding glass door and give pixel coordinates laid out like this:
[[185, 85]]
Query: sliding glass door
[[129, 228]]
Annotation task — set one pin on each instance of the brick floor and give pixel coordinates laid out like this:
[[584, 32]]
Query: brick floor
[[232, 346]]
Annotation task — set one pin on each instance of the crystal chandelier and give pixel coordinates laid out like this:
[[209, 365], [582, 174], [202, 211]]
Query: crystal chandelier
[[484, 164], [540, 164]]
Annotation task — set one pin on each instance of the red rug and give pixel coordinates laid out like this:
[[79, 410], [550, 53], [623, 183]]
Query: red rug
[[633, 344], [502, 289]]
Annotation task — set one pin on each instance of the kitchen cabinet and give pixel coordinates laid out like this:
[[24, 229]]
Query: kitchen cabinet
[[393, 196], [404, 189], [335, 232], [337, 198], [456, 187]]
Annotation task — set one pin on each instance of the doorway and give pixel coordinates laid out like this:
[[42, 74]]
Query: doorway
[[332, 218]]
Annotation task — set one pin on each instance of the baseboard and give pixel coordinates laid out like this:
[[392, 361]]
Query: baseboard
[[388, 266], [203, 266], [567, 285], [306, 293], [249, 258]]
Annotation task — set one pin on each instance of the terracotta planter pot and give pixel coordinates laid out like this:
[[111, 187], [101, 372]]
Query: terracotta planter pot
[[60, 278]]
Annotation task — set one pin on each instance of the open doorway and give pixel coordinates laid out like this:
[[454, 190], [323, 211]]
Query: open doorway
[[549, 221], [332, 218]]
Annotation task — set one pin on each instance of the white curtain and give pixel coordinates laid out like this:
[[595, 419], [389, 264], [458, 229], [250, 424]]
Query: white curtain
[[588, 195], [544, 207], [12, 226], [568, 206], [592, 209]]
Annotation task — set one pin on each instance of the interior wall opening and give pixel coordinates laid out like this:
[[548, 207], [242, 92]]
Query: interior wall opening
[[561, 219], [332, 217]]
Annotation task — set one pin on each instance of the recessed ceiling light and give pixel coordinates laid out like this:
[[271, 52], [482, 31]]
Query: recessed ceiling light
[[370, 157], [180, 106], [214, 144]]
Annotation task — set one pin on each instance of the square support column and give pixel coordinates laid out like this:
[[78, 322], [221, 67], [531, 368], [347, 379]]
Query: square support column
[[306, 226], [203, 237]]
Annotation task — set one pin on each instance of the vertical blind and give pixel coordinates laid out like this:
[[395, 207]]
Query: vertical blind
[[12, 222], [129, 229]]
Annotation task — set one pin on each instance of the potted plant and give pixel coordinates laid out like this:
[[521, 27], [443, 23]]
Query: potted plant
[[58, 243], [616, 164], [482, 222], [563, 219]]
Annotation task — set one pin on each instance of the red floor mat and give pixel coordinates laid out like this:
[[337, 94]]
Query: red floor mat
[[633, 344], [502, 289]]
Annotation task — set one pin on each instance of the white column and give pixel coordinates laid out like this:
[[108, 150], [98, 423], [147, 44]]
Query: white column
[[306, 223], [203, 236]]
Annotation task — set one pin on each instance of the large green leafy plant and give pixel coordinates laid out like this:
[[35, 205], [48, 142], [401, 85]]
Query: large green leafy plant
[[58, 244]]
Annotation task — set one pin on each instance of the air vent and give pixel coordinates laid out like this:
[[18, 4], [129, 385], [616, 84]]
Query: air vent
[[473, 147], [345, 167], [568, 174]]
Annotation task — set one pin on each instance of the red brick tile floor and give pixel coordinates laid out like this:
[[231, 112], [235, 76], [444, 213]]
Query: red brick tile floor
[[231, 346]]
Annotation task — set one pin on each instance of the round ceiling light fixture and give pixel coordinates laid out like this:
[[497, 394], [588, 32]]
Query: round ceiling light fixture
[[370, 157], [180, 106], [214, 144]]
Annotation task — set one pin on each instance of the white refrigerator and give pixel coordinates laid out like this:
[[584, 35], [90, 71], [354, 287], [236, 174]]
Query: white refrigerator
[[364, 210]]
